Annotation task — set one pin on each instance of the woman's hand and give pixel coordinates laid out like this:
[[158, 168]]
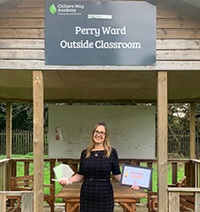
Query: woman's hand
[[134, 187], [63, 181]]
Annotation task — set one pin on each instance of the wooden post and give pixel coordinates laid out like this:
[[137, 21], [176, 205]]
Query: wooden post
[[192, 131], [162, 128], [25, 197], [3, 202], [27, 201], [8, 142], [38, 137], [8, 130]]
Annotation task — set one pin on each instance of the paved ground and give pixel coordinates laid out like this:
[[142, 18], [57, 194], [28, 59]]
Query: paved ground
[[60, 208]]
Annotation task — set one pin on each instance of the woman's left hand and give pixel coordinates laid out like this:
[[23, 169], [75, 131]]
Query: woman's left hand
[[134, 187]]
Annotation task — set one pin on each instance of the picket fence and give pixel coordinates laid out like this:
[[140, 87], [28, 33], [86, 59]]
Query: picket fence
[[22, 143]]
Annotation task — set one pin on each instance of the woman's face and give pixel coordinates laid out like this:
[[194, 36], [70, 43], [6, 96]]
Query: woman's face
[[99, 135]]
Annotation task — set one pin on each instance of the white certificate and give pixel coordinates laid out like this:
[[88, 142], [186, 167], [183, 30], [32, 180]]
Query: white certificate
[[136, 175]]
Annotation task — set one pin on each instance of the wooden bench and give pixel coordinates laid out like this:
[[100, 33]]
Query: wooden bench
[[25, 183], [152, 199], [24, 201]]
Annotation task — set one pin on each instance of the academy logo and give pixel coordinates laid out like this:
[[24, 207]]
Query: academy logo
[[53, 9]]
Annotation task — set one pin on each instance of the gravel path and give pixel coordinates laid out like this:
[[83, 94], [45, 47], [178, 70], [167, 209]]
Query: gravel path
[[60, 208]]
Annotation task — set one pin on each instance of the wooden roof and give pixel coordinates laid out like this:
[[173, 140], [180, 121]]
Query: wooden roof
[[22, 51]]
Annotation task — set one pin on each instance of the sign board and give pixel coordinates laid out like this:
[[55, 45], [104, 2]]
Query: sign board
[[100, 33]]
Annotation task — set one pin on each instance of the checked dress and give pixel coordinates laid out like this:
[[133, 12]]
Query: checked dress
[[96, 191]]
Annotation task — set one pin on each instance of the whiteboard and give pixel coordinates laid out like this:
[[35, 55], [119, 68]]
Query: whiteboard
[[131, 129]]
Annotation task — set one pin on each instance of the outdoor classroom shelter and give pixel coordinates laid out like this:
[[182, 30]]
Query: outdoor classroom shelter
[[175, 78]]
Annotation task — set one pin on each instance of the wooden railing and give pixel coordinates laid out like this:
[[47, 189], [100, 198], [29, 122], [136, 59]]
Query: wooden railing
[[11, 165], [184, 199], [191, 170], [4, 167], [73, 163]]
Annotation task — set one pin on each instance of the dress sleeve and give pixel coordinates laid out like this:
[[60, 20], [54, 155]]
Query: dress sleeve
[[115, 163], [80, 171]]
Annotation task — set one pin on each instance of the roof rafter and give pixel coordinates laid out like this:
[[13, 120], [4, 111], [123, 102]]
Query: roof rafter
[[195, 3]]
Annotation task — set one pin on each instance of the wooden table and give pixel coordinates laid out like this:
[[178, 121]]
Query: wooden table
[[122, 195]]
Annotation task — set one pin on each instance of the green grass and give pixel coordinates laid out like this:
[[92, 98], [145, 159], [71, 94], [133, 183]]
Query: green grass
[[179, 175]]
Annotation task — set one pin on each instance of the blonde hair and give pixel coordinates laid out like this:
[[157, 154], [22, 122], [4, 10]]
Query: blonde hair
[[106, 142]]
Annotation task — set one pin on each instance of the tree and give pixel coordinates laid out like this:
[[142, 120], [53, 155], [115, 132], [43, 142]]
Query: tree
[[22, 116]]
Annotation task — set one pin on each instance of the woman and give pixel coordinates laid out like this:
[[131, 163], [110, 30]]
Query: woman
[[96, 164]]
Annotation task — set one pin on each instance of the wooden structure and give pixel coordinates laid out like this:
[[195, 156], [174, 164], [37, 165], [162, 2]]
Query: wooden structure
[[191, 177], [26, 183], [122, 195], [24, 77], [152, 200], [26, 197], [187, 199]]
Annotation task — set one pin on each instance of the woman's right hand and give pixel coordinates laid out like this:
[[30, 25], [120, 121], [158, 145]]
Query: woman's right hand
[[63, 181]]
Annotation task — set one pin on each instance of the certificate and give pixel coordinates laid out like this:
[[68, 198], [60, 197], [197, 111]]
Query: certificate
[[136, 175]]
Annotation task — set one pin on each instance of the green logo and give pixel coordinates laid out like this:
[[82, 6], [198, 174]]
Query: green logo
[[52, 9]]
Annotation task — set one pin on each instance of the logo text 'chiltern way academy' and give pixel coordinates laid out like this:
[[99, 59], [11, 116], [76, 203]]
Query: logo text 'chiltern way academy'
[[53, 9]]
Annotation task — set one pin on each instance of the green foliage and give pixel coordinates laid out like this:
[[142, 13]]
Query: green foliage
[[22, 116]]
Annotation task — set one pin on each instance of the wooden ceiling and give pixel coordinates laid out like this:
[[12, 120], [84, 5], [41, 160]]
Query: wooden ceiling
[[100, 86]]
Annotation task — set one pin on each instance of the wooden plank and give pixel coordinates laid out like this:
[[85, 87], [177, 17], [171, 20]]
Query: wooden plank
[[197, 201], [9, 23], [184, 44], [23, 44], [181, 55], [38, 138], [9, 4], [175, 3], [174, 202], [39, 64], [178, 33], [178, 14], [162, 99], [177, 24], [173, 55], [194, 3], [174, 173], [192, 131], [3, 202], [8, 130], [22, 54], [27, 202], [183, 189], [22, 13], [22, 33], [32, 4]]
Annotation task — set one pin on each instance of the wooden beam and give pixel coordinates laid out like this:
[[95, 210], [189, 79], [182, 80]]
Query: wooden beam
[[162, 123], [38, 132], [8, 142], [8, 130], [3, 1], [194, 3], [192, 131]]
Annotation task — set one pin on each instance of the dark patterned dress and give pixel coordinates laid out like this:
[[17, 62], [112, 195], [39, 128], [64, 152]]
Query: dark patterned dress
[[96, 191]]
